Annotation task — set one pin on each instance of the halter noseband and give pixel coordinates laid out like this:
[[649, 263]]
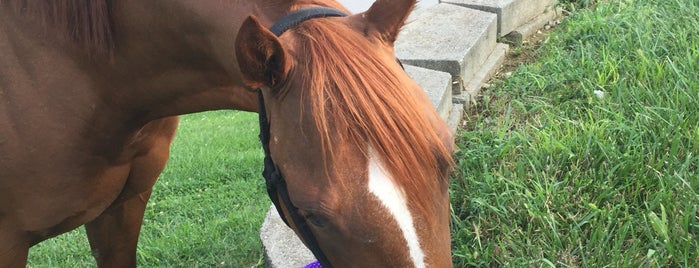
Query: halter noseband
[[276, 185]]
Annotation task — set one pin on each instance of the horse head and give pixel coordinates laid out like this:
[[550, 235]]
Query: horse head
[[364, 156]]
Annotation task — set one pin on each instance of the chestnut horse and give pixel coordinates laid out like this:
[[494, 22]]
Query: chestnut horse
[[89, 90]]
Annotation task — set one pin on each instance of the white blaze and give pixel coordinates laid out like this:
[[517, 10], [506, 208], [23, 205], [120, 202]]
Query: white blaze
[[393, 199]]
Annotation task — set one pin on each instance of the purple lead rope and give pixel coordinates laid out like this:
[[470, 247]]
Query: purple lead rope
[[314, 264]]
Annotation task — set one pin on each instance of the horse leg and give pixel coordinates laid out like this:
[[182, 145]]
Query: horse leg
[[13, 251], [113, 235]]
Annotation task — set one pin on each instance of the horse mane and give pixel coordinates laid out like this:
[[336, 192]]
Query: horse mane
[[86, 22], [357, 97]]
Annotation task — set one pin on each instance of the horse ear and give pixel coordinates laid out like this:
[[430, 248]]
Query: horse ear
[[386, 18], [261, 57]]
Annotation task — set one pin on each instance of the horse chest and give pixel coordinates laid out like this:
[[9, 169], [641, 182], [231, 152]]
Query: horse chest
[[60, 182]]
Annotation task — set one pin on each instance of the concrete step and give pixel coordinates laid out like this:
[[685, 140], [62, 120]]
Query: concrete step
[[550, 18], [473, 87], [282, 248], [437, 85], [448, 38], [356, 6], [511, 13]]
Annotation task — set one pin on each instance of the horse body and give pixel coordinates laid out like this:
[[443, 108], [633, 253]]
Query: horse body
[[87, 118], [84, 137]]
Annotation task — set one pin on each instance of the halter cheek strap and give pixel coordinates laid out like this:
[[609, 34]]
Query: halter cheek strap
[[276, 185]]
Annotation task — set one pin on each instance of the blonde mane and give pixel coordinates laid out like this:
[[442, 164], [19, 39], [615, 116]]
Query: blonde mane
[[358, 97]]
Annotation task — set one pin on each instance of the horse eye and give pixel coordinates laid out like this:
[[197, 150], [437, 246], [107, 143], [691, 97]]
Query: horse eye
[[316, 220]]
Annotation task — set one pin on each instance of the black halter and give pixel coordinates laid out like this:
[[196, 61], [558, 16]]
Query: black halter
[[276, 185]]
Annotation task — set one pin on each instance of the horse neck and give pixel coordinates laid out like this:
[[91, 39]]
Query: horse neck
[[176, 66], [168, 58], [187, 65]]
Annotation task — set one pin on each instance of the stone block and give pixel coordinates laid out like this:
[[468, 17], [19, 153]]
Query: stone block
[[547, 18], [491, 65], [511, 13], [282, 248], [454, 121], [448, 38], [437, 85]]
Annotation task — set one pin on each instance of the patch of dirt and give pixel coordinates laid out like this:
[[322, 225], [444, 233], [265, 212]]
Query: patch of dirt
[[528, 52]]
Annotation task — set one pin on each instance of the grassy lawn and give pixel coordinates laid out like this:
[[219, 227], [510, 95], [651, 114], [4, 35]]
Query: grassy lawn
[[206, 208], [549, 174]]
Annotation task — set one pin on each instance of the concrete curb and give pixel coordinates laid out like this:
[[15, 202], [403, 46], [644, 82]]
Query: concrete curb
[[448, 38], [282, 248], [489, 67], [511, 13]]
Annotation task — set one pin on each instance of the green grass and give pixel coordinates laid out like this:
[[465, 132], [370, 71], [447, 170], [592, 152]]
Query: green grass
[[573, 5], [206, 208], [551, 175]]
